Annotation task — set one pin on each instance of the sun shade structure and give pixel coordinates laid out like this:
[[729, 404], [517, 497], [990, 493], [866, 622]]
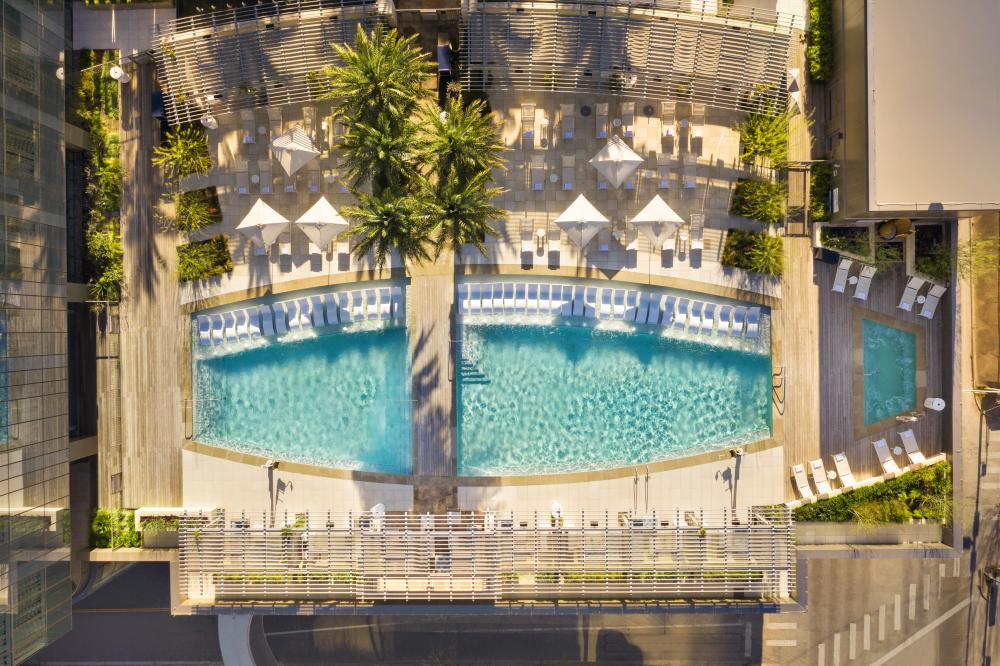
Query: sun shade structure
[[321, 223], [262, 224], [581, 221], [658, 221], [616, 161], [294, 149]]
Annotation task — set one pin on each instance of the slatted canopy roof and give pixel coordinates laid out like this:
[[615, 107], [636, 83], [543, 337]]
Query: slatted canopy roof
[[732, 58]]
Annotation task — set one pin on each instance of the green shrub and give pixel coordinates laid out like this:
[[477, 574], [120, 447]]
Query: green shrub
[[922, 493], [820, 185], [887, 256], [819, 40], [762, 200], [114, 528], [765, 134], [104, 256], [855, 240], [184, 152], [936, 262], [204, 259], [753, 251], [197, 209]]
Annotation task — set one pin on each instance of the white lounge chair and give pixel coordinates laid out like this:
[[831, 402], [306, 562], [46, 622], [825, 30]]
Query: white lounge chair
[[930, 305], [566, 297], [910, 293], [801, 483], [753, 322], [371, 304], [568, 171], [463, 299], [913, 452], [568, 121], [843, 272], [655, 309], [305, 313], [669, 311], [889, 467], [242, 325], [667, 118], [253, 321], [618, 304], [486, 298], [681, 314], [508, 297], [344, 307], [722, 325], [605, 309], [218, 328], [864, 283], [531, 306], [357, 306], [628, 119], [528, 123], [631, 298], [280, 318], [396, 298], [545, 301], [708, 318], [601, 111], [694, 317], [642, 307], [266, 321], [318, 308], [578, 295], [538, 172], [520, 299], [384, 303], [204, 330], [847, 480], [330, 309], [820, 479], [229, 326], [475, 303], [590, 302], [739, 316]]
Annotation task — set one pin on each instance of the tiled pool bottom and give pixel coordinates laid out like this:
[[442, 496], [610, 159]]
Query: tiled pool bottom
[[337, 400], [890, 371], [537, 399]]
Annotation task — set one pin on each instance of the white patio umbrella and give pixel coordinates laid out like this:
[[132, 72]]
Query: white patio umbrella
[[262, 224], [658, 221], [294, 149], [616, 161], [581, 221], [321, 223]]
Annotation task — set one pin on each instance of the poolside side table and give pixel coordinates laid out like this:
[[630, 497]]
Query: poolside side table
[[921, 299], [617, 122], [254, 179], [261, 130], [853, 279], [831, 475], [897, 450]]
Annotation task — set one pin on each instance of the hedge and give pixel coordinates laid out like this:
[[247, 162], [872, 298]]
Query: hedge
[[197, 209], [754, 251], [114, 528], [820, 185], [204, 259], [819, 40], [762, 200], [922, 493]]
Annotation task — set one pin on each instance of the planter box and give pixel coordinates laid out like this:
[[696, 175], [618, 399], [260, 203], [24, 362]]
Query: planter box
[[160, 539], [817, 534]]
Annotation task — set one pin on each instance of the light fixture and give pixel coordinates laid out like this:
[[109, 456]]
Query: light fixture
[[209, 121], [60, 73], [119, 74]]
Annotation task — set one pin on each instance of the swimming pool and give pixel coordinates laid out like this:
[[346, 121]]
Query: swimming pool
[[341, 399], [890, 370], [544, 398]]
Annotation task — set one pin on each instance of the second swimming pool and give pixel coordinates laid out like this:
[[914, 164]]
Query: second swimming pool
[[539, 399], [890, 369]]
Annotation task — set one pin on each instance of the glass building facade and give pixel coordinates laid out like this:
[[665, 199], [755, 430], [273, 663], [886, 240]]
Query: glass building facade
[[35, 589]]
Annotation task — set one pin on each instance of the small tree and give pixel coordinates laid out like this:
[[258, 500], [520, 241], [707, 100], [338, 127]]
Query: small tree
[[461, 141], [461, 212], [388, 222], [765, 134], [184, 152]]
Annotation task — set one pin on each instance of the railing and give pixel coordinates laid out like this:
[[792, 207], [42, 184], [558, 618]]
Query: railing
[[486, 557]]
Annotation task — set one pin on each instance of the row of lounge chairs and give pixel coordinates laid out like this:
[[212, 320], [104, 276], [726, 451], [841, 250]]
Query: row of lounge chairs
[[609, 304], [890, 470], [320, 310], [912, 293], [534, 121], [864, 279]]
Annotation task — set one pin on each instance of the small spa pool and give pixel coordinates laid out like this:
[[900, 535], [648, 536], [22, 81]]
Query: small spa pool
[[340, 399], [548, 398], [890, 371]]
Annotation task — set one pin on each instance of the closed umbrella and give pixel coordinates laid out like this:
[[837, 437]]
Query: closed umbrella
[[658, 221], [581, 221], [321, 223], [294, 149], [616, 161], [262, 224]]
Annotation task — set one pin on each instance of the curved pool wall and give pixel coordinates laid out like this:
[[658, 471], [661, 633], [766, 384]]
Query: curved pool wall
[[890, 371], [552, 394], [335, 396]]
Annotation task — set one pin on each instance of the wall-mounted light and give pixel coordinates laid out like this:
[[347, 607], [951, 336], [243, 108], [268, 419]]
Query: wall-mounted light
[[119, 74], [60, 73], [209, 121]]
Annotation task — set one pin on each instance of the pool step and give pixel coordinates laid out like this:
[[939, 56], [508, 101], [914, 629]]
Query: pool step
[[470, 373]]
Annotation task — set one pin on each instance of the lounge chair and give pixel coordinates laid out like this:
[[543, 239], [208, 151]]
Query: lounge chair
[[253, 321], [708, 318], [318, 308], [396, 298], [486, 298], [568, 171], [910, 293], [248, 125], [655, 309], [843, 272], [739, 316], [601, 110], [694, 317], [630, 307], [520, 298], [642, 308], [475, 303], [930, 305], [722, 326], [229, 322], [330, 308], [668, 118], [606, 297], [619, 304], [344, 307], [242, 177], [266, 179], [820, 479], [669, 311], [528, 123], [847, 480], [305, 313], [274, 121], [681, 314], [531, 304], [280, 318], [578, 293], [371, 304], [567, 300], [568, 121], [663, 164], [590, 302], [357, 306], [218, 328], [628, 119], [889, 467], [545, 304], [384, 303], [463, 299], [537, 171], [508, 297], [801, 483], [864, 283], [753, 322], [204, 330], [266, 321], [913, 452]]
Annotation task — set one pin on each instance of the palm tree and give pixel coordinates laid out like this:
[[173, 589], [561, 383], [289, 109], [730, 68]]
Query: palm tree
[[381, 154], [382, 75], [387, 222], [184, 152], [461, 211], [462, 140]]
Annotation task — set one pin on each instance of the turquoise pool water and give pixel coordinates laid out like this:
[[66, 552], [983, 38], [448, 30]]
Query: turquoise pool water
[[890, 367], [536, 399], [339, 400]]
